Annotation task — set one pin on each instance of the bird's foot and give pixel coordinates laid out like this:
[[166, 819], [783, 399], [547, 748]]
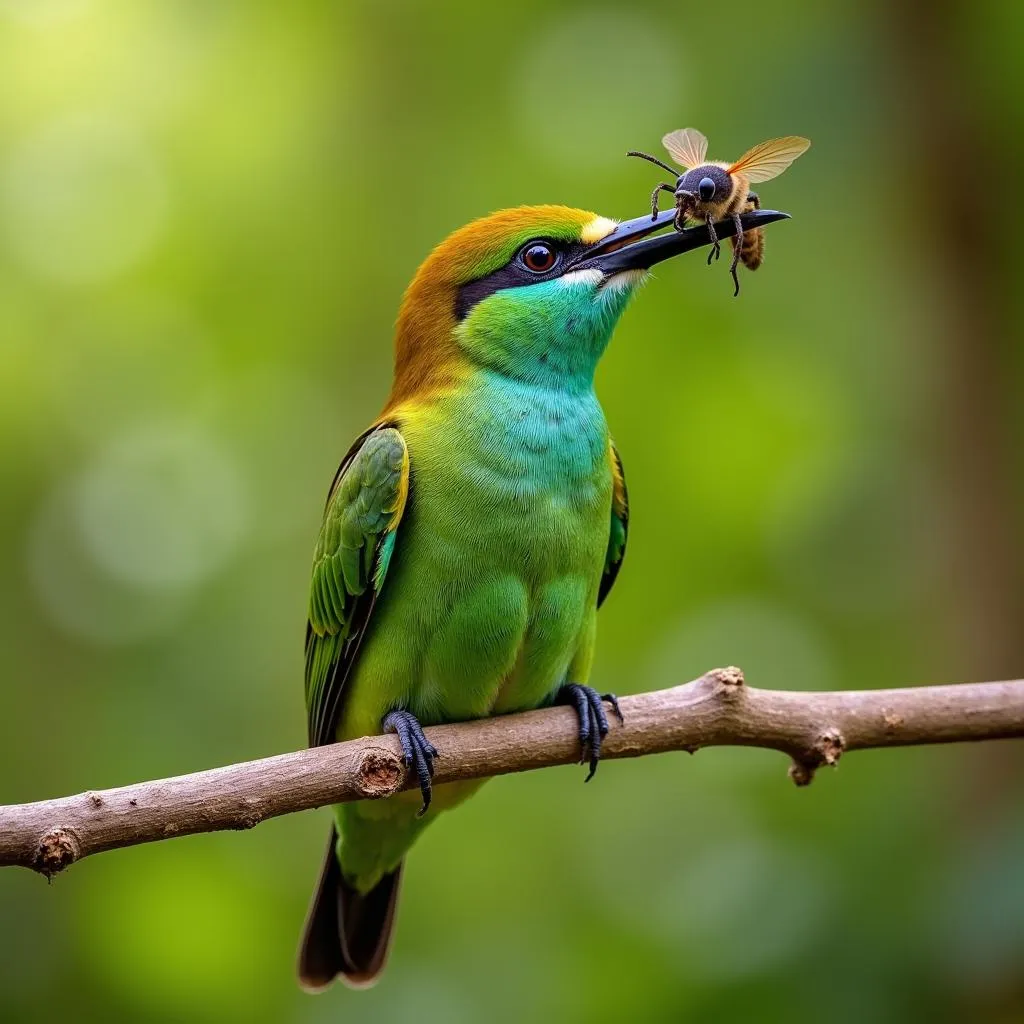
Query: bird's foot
[[589, 707], [418, 752]]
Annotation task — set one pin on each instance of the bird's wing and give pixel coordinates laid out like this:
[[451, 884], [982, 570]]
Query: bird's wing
[[619, 526], [353, 551], [687, 146]]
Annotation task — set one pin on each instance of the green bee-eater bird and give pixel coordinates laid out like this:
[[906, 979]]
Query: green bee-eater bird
[[471, 532]]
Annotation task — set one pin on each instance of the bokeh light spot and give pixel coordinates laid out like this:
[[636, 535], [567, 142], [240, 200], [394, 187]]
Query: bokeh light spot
[[82, 199], [78, 598], [40, 12], [161, 508]]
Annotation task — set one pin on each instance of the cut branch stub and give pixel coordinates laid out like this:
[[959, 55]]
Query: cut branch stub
[[380, 773]]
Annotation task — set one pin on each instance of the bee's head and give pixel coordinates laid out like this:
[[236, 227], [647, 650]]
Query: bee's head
[[706, 184]]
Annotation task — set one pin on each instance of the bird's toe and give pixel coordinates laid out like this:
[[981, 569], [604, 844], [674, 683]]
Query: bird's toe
[[418, 752], [593, 722]]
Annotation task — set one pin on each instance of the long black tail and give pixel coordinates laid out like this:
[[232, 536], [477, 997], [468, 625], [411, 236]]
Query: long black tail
[[347, 933]]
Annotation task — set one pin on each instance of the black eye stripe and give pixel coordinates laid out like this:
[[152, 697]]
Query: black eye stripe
[[515, 275]]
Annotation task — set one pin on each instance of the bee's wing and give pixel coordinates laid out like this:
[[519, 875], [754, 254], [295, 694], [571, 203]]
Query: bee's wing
[[687, 146], [769, 159]]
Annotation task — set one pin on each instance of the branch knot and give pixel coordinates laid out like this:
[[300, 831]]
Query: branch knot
[[830, 746], [727, 682], [826, 749], [56, 851]]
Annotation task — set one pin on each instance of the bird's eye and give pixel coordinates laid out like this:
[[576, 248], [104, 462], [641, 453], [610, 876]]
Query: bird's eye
[[538, 257], [706, 188]]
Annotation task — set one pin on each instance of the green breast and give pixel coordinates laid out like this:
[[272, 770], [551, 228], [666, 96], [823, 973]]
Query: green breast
[[500, 553], [518, 470]]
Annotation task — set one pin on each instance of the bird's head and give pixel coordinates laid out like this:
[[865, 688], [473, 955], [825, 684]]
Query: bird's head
[[532, 293]]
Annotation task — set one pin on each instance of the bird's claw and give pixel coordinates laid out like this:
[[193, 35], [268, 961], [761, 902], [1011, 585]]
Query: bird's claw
[[593, 722], [418, 752], [614, 701]]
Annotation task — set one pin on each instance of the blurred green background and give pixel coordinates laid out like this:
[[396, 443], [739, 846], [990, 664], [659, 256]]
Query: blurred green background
[[208, 212]]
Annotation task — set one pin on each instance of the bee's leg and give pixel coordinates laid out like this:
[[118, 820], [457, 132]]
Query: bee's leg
[[754, 199], [737, 248], [716, 245], [654, 198]]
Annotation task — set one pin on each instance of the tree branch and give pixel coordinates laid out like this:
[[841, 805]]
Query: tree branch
[[717, 709]]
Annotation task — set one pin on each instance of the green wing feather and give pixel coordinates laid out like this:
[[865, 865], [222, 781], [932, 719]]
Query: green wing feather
[[353, 551], [619, 526]]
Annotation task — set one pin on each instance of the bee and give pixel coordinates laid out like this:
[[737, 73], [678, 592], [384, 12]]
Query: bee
[[712, 190]]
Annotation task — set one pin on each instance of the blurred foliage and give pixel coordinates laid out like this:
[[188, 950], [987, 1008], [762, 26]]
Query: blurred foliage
[[208, 211]]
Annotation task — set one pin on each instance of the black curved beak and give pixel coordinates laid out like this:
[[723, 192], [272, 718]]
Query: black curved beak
[[628, 247]]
